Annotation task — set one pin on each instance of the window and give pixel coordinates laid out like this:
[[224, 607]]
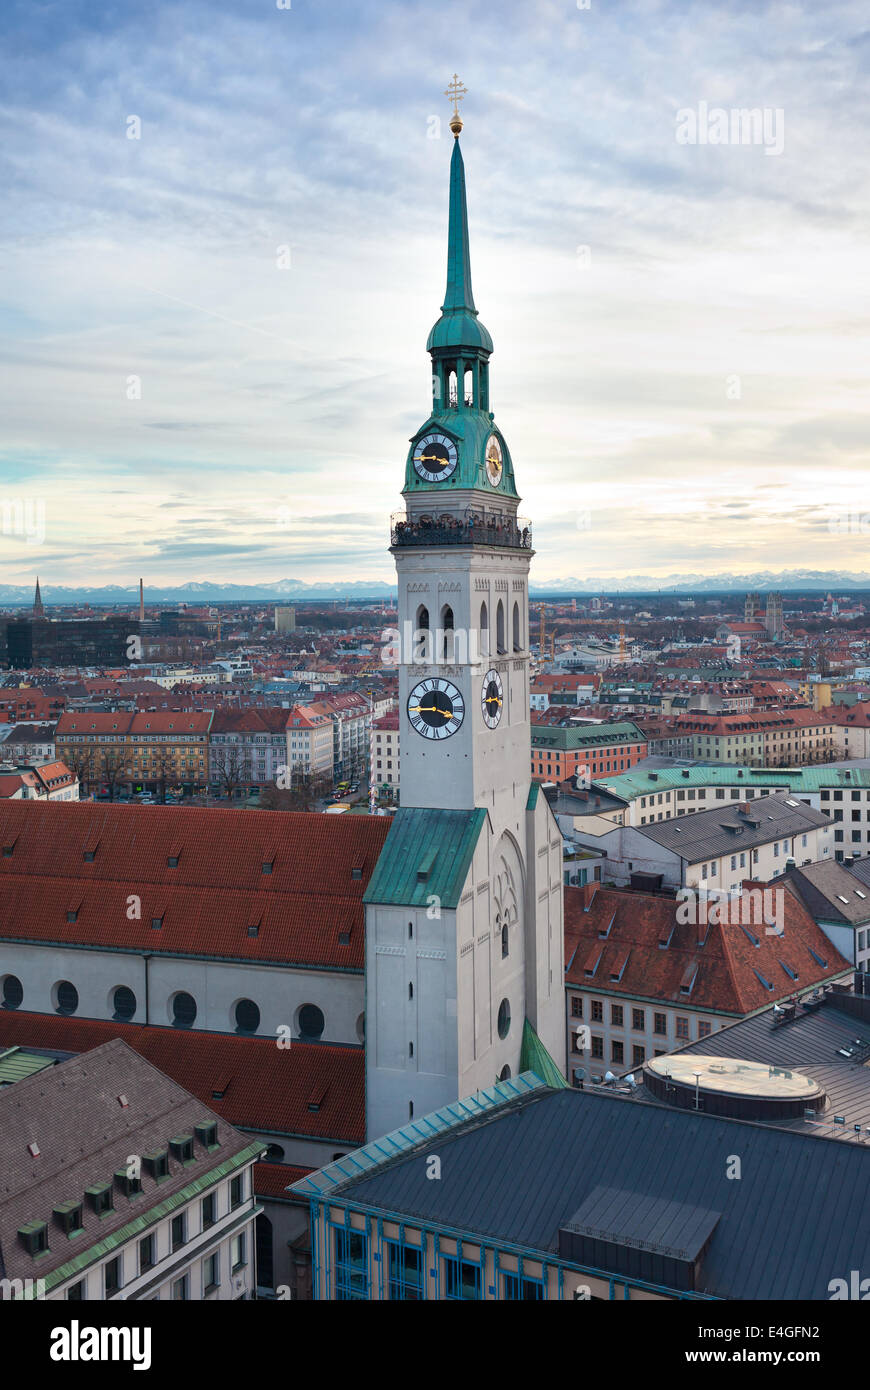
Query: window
[[123, 1003], [238, 1252], [597, 1011], [183, 1010], [406, 1272], [638, 1020], [461, 1279], [179, 1289], [209, 1210], [617, 1052], [76, 1292], [576, 1006], [351, 1264], [505, 943], [704, 1029], [660, 1024], [178, 1231], [101, 1199], [597, 1047], [146, 1254], [504, 1019], [311, 1022], [516, 1286], [237, 1192], [682, 1027], [12, 992], [112, 1274], [67, 997], [182, 1148], [210, 1273], [616, 1015], [247, 1016], [638, 1056]]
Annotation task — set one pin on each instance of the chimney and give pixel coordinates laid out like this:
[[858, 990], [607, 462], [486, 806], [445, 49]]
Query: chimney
[[141, 602]]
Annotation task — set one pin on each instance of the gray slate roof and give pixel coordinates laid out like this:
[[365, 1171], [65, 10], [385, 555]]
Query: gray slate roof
[[706, 834], [831, 892], [797, 1218]]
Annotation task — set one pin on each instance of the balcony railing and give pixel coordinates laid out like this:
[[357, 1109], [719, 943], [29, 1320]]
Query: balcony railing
[[471, 528]]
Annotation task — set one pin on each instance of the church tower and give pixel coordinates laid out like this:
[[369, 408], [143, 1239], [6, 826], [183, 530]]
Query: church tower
[[38, 610], [464, 922]]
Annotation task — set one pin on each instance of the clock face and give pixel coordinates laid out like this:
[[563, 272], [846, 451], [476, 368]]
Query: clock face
[[492, 698], [436, 708], [435, 457], [494, 460]]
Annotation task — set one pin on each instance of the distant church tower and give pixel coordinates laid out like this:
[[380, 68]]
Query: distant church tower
[[464, 917], [38, 610]]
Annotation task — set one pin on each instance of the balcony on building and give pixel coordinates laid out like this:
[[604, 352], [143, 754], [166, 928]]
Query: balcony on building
[[471, 528]]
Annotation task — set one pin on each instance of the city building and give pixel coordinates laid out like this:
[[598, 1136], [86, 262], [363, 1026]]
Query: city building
[[310, 743], [39, 641], [589, 750], [118, 1184], [285, 620], [151, 751], [384, 758], [644, 975], [712, 850], [27, 743], [38, 781], [618, 1192], [839, 902], [247, 749], [351, 717]]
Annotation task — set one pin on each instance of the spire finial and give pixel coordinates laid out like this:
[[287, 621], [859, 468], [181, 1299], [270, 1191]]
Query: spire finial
[[455, 92]]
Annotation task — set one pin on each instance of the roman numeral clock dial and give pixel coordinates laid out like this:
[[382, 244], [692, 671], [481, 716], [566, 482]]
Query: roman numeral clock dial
[[435, 708], [435, 458], [492, 698]]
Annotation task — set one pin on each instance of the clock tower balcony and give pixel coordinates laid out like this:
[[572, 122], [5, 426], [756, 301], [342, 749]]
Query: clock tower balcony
[[473, 527]]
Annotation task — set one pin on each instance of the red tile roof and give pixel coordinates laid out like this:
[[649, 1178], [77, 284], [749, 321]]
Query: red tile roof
[[207, 903], [264, 1087], [726, 963], [272, 1180]]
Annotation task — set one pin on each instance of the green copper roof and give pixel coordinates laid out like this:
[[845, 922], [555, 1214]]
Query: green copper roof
[[458, 325], [801, 780], [532, 798], [534, 1057], [15, 1065], [426, 853], [584, 735]]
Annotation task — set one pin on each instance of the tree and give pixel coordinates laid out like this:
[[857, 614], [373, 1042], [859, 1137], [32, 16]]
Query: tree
[[303, 794], [230, 767], [80, 761]]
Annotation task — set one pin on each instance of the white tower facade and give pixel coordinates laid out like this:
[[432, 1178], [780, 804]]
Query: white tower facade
[[464, 921]]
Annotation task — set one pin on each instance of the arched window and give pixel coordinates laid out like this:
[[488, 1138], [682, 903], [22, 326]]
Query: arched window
[[518, 646], [12, 992], [123, 1004], [484, 630], [247, 1016], [310, 1023], [448, 640], [274, 1154], [451, 387], [504, 1074], [66, 998], [183, 1010], [505, 942], [422, 635], [499, 628], [468, 394]]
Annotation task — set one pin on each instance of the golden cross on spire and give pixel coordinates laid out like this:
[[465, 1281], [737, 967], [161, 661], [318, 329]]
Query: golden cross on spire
[[455, 92]]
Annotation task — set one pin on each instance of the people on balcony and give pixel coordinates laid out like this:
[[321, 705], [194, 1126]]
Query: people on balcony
[[489, 529]]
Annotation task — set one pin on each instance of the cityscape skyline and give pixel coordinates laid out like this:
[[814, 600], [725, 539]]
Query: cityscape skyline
[[256, 280]]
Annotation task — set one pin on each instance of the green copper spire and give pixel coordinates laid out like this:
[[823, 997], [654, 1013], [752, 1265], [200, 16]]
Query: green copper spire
[[458, 326]]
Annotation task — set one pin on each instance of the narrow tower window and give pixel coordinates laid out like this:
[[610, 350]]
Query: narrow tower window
[[447, 641], [484, 630], [468, 395], [518, 646], [499, 628]]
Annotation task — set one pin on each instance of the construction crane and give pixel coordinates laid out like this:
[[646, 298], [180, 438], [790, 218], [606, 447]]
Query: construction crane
[[622, 641], [542, 640]]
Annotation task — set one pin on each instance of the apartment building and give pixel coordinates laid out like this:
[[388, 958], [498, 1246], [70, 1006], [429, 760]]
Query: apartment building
[[350, 714], [592, 750], [310, 743], [149, 751], [384, 758], [763, 738], [715, 849], [119, 1184], [851, 729], [645, 975], [247, 749]]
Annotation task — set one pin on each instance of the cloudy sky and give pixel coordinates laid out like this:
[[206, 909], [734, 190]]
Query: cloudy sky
[[680, 328]]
